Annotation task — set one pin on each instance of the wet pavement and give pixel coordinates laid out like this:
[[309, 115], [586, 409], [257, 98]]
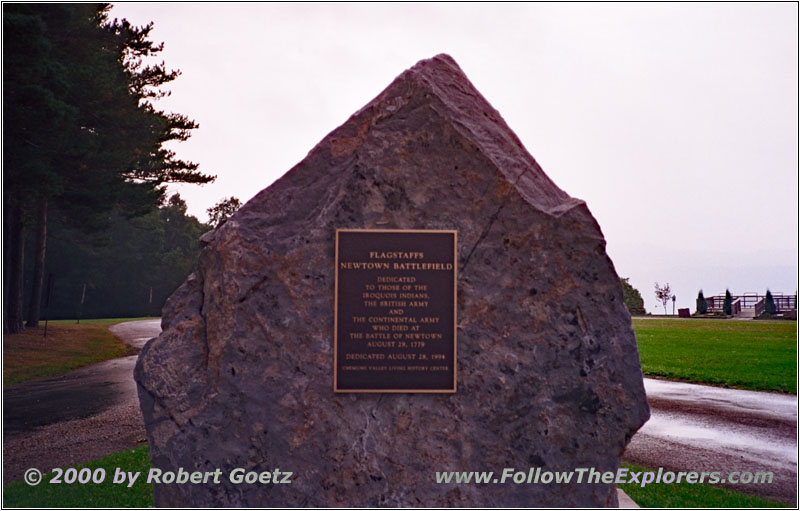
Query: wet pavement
[[137, 333], [75, 395], [702, 428]]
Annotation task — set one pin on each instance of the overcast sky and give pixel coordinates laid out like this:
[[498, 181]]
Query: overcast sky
[[676, 122]]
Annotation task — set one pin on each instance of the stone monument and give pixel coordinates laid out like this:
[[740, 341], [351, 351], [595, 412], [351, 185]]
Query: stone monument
[[546, 372]]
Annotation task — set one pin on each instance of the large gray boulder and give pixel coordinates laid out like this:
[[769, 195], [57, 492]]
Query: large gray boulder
[[548, 369]]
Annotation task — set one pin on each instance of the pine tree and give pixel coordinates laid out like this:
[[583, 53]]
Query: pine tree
[[727, 304], [219, 213], [82, 135], [702, 305], [769, 304], [35, 118]]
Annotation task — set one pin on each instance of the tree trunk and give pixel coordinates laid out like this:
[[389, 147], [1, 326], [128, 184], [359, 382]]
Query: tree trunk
[[38, 266], [6, 258], [15, 272]]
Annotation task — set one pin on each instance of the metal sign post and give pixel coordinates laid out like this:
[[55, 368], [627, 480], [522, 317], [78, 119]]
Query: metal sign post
[[80, 309]]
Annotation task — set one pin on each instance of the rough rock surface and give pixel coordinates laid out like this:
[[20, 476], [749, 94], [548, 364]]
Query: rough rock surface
[[548, 367]]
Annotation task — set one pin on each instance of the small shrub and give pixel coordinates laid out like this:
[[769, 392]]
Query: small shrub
[[769, 304], [727, 304]]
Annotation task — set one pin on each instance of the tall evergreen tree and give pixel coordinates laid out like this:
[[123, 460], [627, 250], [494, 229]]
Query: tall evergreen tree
[[83, 136], [36, 115]]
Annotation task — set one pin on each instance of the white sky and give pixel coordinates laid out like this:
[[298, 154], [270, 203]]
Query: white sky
[[677, 123]]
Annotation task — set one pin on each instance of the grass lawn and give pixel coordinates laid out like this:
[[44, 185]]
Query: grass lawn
[[690, 495], [29, 355], [104, 495], [755, 355]]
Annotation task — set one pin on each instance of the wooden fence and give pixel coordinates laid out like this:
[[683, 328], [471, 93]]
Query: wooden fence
[[755, 301]]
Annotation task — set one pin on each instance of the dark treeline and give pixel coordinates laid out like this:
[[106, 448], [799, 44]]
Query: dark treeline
[[128, 270], [632, 297], [85, 166]]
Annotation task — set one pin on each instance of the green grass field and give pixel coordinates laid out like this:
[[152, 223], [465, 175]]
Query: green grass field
[[755, 355], [29, 355]]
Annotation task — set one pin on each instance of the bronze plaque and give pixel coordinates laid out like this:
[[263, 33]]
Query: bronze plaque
[[395, 311]]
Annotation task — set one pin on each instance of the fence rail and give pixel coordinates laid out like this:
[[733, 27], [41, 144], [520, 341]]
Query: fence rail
[[755, 301], [761, 306]]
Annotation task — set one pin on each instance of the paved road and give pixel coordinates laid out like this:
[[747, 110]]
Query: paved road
[[76, 417], [703, 428], [75, 395], [137, 333]]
